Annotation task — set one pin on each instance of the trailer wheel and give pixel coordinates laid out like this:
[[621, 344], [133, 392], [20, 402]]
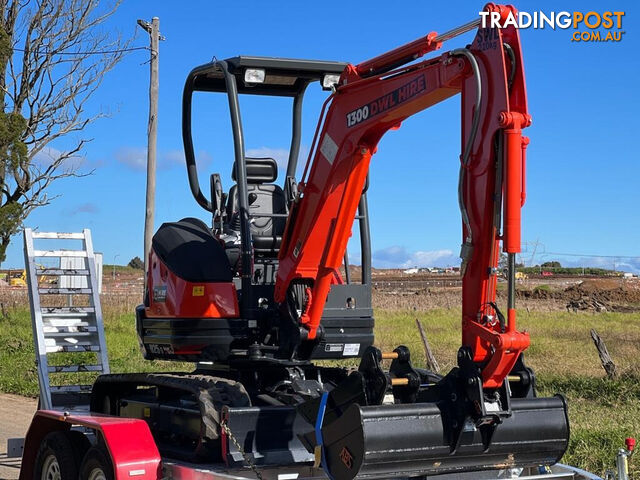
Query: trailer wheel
[[56, 459], [96, 465]]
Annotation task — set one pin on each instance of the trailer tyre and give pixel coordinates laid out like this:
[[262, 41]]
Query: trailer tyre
[[96, 465], [56, 459]]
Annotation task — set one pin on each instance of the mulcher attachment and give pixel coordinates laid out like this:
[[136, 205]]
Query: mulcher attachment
[[452, 425]]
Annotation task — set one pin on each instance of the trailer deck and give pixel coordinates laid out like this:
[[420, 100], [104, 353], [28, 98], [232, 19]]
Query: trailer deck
[[182, 471], [134, 455]]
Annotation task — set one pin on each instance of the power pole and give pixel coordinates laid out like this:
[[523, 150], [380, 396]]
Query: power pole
[[153, 29]]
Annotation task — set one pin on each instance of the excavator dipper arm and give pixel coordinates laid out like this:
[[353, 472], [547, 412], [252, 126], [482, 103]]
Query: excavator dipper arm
[[378, 95]]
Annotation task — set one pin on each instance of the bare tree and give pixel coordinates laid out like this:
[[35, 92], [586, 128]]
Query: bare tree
[[53, 57]]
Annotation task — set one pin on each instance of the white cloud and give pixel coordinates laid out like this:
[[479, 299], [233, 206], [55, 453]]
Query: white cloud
[[625, 264], [133, 157], [136, 158], [85, 208], [171, 158], [45, 157], [399, 257], [203, 159], [280, 155]]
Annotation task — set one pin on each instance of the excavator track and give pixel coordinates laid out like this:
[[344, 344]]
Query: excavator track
[[183, 410]]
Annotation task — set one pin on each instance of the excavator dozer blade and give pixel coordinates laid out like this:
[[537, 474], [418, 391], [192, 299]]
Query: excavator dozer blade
[[408, 440]]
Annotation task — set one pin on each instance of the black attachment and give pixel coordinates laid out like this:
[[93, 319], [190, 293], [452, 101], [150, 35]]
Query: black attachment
[[269, 435], [465, 404], [376, 381], [453, 425], [388, 441], [522, 380], [401, 368]]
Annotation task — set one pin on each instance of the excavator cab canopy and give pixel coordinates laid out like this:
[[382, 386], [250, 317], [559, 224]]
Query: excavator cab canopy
[[285, 77], [269, 76]]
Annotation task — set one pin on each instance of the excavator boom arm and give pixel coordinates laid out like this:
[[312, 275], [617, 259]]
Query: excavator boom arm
[[378, 95]]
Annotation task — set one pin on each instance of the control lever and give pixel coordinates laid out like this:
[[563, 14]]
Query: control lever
[[291, 190], [217, 198]]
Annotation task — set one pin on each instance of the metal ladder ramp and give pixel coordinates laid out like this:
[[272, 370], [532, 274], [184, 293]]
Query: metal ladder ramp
[[67, 324]]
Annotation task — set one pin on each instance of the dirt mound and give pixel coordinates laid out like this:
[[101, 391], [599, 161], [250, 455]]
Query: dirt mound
[[600, 295], [611, 295]]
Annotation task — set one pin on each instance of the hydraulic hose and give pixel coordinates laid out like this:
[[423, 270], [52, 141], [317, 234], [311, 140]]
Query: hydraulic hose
[[512, 58], [467, 246]]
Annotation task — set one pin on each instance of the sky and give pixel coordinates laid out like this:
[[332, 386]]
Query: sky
[[583, 166]]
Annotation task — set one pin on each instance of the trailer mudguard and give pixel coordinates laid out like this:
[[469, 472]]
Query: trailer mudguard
[[128, 441]]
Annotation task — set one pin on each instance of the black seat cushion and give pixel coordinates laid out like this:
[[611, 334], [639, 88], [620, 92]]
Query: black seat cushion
[[259, 170], [264, 198], [189, 250]]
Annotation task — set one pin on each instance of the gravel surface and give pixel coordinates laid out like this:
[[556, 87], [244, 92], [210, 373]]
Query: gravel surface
[[15, 417]]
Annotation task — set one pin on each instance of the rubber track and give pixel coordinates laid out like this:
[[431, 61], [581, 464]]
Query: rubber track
[[212, 393]]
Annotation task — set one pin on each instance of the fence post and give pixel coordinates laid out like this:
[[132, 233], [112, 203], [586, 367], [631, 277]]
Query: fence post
[[432, 363], [606, 360]]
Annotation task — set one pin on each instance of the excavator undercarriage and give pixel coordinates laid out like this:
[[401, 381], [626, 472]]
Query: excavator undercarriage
[[262, 294], [370, 423]]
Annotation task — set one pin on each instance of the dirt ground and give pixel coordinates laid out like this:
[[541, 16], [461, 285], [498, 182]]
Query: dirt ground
[[557, 294], [16, 413]]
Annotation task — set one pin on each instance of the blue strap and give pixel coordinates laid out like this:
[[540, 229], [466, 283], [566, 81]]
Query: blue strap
[[319, 419]]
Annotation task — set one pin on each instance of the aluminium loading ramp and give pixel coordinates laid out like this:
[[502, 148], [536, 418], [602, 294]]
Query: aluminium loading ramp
[[68, 330]]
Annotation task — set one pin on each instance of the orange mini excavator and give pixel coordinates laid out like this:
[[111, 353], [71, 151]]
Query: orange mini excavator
[[257, 295]]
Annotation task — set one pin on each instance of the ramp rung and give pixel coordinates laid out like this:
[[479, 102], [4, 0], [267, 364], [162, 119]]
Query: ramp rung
[[62, 271], [72, 348], [55, 311], [58, 235], [76, 401], [71, 332], [67, 321], [70, 326], [74, 368], [59, 253], [53, 326], [67, 339], [64, 291], [70, 388]]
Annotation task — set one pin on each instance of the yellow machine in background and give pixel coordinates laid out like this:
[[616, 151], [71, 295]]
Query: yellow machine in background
[[17, 278]]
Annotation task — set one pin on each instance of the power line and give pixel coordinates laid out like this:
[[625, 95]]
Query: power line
[[100, 52], [590, 255]]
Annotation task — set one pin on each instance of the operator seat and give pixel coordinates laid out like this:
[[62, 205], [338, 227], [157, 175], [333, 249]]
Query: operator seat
[[264, 198]]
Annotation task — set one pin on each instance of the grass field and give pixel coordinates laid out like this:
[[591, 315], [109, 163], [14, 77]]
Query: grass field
[[602, 412]]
